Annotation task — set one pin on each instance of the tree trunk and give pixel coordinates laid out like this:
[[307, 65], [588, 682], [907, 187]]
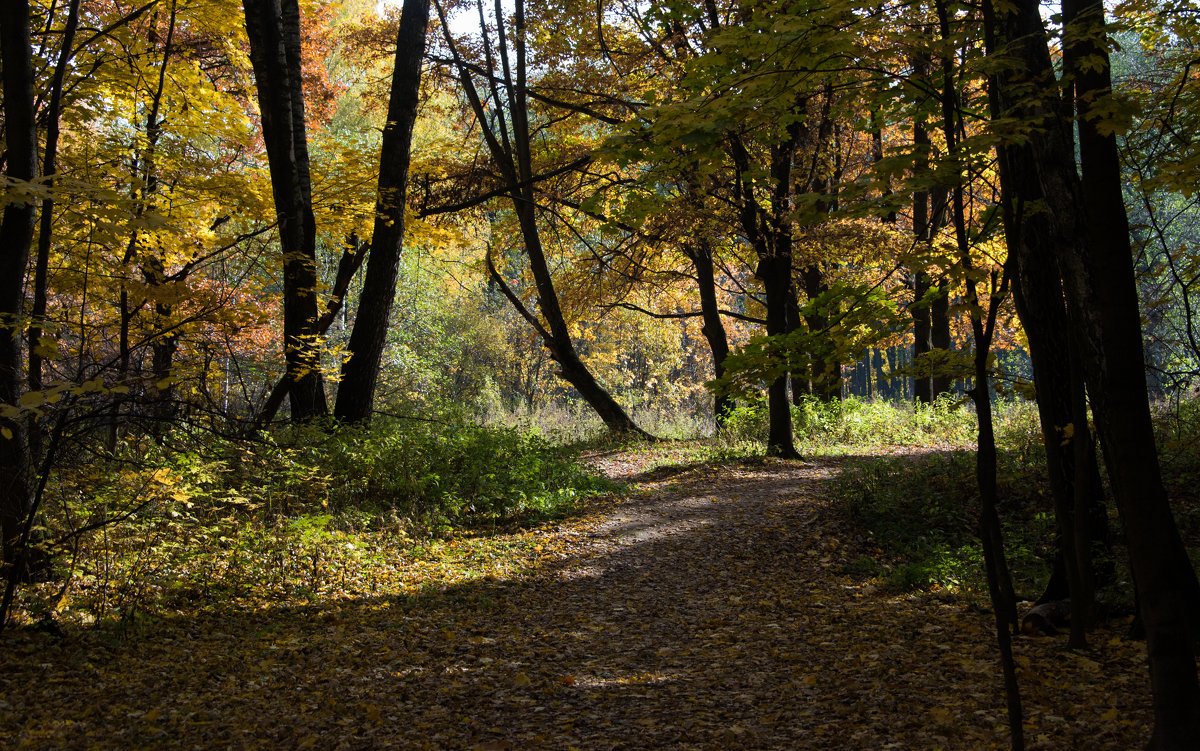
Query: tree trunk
[[1100, 280], [939, 333], [16, 240], [1059, 387], [511, 150], [356, 393], [273, 29], [699, 251], [769, 232], [1096, 265], [825, 372], [922, 235], [775, 272], [49, 168]]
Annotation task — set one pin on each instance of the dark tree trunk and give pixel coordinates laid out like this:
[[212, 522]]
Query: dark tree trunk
[[800, 382], [770, 233], [1096, 265], [699, 252], [939, 333], [775, 272], [922, 234], [1059, 386], [930, 307], [1100, 280], [825, 373], [356, 393], [16, 240], [984, 311], [922, 343], [1058, 382], [273, 29], [49, 168]]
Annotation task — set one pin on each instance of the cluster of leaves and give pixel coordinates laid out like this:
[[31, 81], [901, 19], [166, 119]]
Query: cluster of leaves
[[867, 319], [311, 512]]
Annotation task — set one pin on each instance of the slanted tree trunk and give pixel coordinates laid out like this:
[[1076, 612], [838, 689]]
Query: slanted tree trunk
[[510, 145], [16, 240], [356, 393], [273, 29], [1100, 281], [984, 312], [46, 221], [1039, 300], [699, 251]]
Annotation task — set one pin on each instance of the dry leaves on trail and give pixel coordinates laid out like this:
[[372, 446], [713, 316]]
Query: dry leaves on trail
[[707, 610]]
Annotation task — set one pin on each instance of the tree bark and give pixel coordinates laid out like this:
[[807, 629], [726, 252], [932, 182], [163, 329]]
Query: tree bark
[[939, 333], [273, 29], [699, 251], [16, 241], [356, 393], [49, 168], [769, 232], [1059, 386], [1099, 277]]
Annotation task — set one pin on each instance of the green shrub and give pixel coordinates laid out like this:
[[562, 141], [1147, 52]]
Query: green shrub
[[429, 472], [856, 422], [304, 512]]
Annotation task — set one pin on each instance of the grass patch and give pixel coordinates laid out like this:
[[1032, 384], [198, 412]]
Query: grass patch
[[919, 514]]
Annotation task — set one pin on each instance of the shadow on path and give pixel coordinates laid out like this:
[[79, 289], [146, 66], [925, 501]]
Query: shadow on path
[[707, 611]]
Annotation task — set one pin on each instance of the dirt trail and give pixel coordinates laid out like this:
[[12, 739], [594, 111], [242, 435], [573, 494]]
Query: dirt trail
[[708, 610]]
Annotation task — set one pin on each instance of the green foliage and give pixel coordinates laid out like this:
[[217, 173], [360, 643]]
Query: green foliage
[[853, 421], [311, 511], [429, 472], [919, 513], [1178, 433], [860, 316]]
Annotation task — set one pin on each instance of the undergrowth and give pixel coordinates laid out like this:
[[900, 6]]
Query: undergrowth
[[847, 425], [304, 513], [918, 516]]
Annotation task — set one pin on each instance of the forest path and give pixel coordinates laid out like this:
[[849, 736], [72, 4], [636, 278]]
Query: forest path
[[709, 609]]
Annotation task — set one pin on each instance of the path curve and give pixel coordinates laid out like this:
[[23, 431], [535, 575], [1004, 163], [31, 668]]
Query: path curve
[[710, 609]]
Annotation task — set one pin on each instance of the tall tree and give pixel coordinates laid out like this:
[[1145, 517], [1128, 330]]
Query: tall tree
[[767, 223], [1087, 220], [16, 240], [273, 29], [360, 372], [49, 167], [1101, 282]]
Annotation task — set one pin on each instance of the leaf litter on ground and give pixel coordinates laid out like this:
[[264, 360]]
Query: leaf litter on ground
[[709, 608]]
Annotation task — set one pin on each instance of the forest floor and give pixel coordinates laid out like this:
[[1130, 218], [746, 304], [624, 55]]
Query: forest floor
[[709, 608]]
